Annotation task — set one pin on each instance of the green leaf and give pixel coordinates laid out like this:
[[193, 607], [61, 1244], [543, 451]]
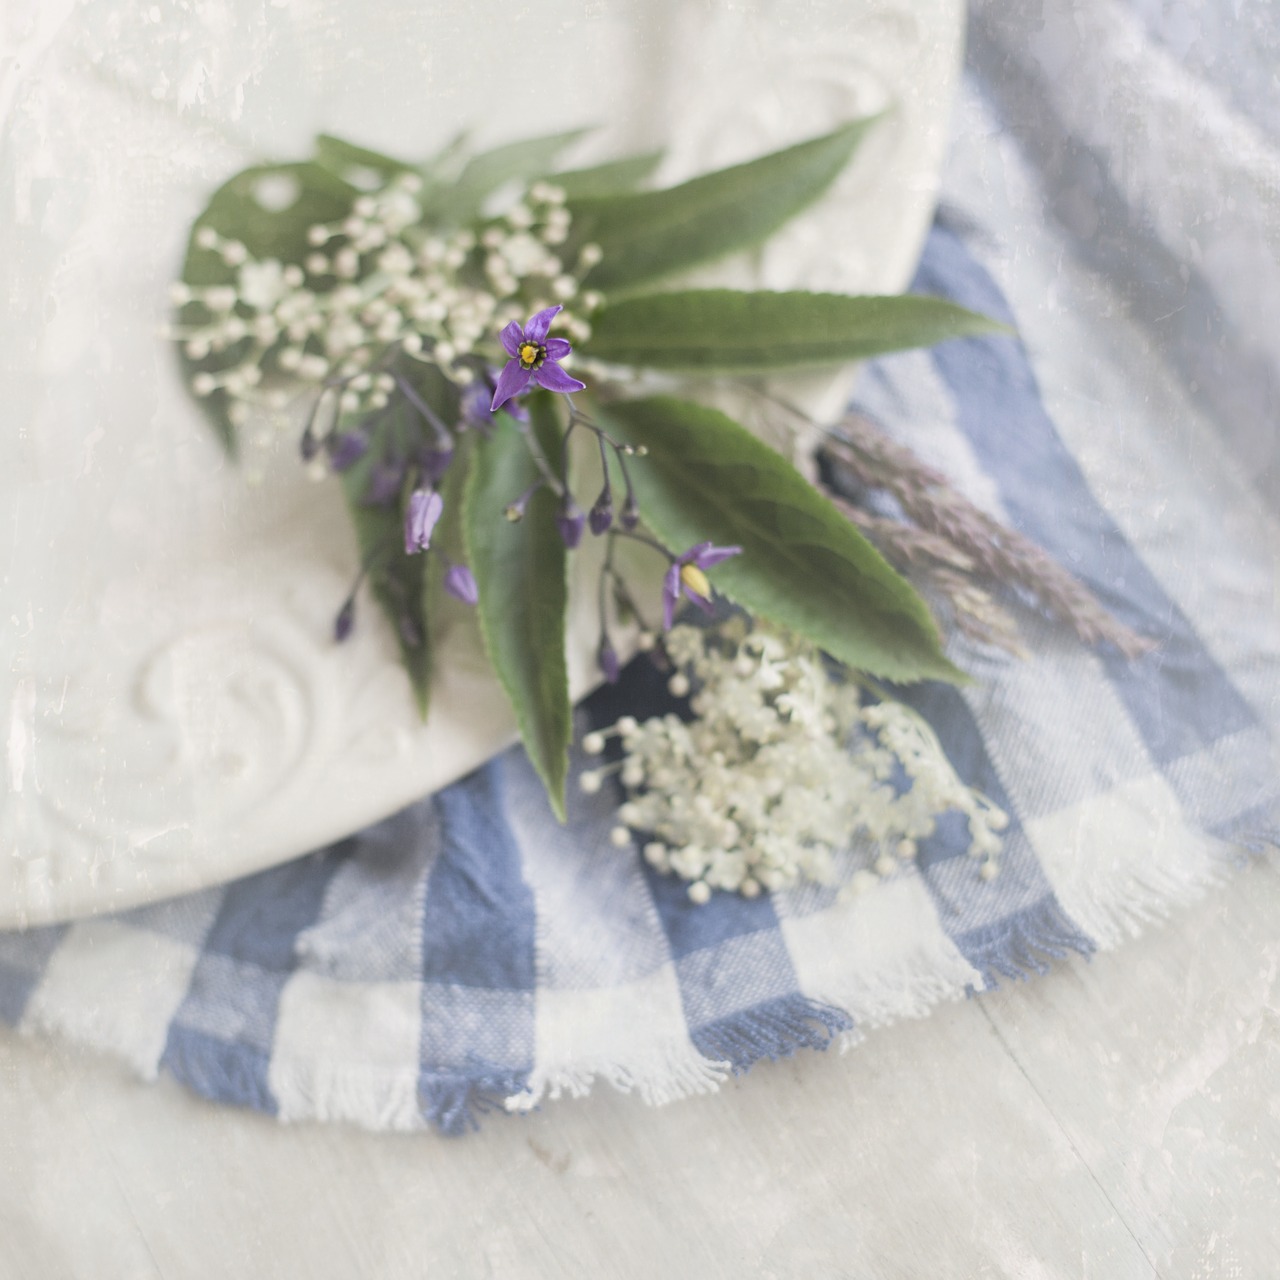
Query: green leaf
[[486, 172], [341, 158], [650, 234], [721, 331], [803, 565], [521, 572], [607, 179], [398, 581], [268, 208], [346, 159], [448, 538]]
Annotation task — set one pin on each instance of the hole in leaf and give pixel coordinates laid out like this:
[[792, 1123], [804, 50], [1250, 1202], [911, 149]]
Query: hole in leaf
[[363, 178], [276, 192]]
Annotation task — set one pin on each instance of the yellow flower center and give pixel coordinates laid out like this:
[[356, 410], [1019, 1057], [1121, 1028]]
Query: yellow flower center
[[695, 580], [529, 353]]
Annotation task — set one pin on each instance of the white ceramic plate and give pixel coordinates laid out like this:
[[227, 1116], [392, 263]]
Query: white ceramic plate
[[175, 712]]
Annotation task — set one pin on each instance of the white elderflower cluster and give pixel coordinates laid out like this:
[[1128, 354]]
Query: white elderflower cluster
[[376, 281], [781, 767]]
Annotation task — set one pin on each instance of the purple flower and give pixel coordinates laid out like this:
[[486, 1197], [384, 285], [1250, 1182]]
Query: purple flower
[[687, 575], [425, 506], [460, 584], [534, 359]]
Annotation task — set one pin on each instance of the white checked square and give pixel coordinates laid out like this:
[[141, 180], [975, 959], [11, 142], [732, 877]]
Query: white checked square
[[1055, 728], [879, 956], [115, 988], [348, 1051], [634, 1036], [1114, 859]]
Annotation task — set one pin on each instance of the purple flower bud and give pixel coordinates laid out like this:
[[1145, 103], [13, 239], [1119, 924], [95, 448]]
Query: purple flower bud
[[459, 583], [515, 510], [475, 406], [630, 515], [345, 622], [425, 506], [385, 479], [601, 516], [435, 462], [347, 449], [570, 522], [607, 658]]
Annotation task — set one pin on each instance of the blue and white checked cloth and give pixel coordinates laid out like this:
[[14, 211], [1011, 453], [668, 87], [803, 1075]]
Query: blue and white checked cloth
[[470, 952]]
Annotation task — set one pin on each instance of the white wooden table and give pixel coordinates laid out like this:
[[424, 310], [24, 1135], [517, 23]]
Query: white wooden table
[[1116, 1119]]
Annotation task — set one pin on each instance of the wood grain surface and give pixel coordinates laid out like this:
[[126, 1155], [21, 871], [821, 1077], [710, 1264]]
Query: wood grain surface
[[1115, 1119]]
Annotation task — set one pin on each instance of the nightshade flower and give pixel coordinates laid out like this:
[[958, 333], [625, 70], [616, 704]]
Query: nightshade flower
[[425, 506], [687, 575], [534, 359]]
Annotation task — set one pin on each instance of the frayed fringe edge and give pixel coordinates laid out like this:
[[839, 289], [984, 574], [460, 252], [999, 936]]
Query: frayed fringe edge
[[1014, 948], [1124, 905], [729, 1046], [668, 1073], [451, 1102], [773, 1030], [911, 989], [1020, 946]]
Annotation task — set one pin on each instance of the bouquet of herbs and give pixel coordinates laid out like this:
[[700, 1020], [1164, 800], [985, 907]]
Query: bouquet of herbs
[[466, 338]]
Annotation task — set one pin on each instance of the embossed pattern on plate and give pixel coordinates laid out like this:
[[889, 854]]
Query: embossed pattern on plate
[[175, 713]]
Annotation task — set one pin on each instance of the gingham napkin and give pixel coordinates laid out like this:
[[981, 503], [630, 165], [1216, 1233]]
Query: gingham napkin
[[470, 952]]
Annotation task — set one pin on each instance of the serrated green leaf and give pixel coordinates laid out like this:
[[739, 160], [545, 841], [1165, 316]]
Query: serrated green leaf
[[723, 331], [398, 581], [803, 565], [237, 211], [521, 572], [607, 179], [485, 173], [649, 234]]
